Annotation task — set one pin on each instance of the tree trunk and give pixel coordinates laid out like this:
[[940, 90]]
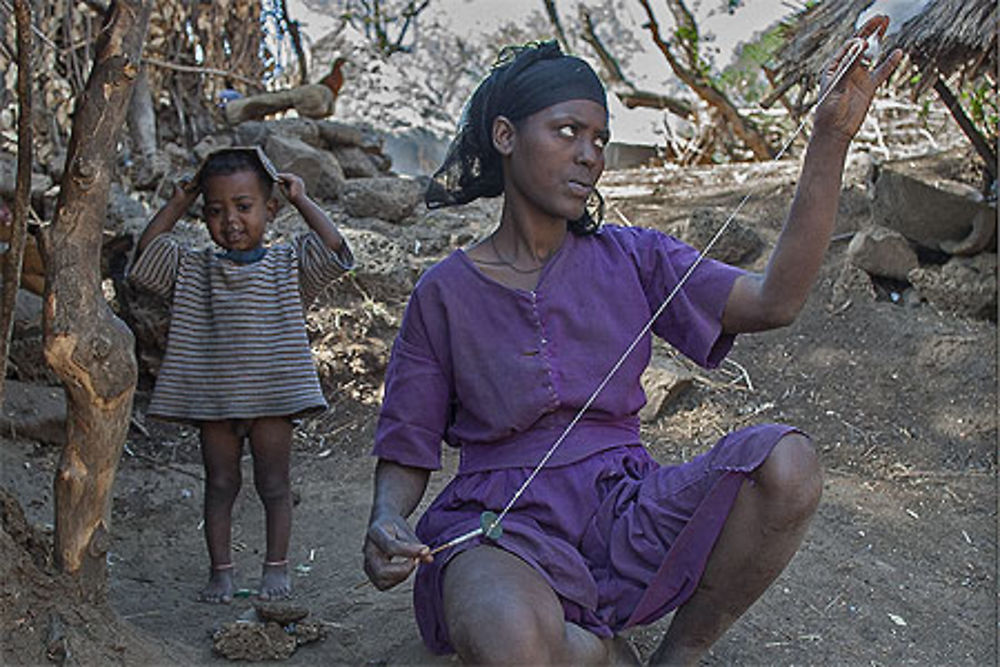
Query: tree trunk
[[704, 88], [14, 256], [87, 347]]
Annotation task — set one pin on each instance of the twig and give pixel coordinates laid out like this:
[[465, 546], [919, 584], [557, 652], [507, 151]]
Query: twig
[[139, 425], [201, 70], [743, 372], [150, 459]]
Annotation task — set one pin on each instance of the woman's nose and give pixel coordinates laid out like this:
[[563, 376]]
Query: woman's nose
[[588, 153]]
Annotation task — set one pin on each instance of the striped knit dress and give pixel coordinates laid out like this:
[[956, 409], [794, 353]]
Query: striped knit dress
[[237, 346]]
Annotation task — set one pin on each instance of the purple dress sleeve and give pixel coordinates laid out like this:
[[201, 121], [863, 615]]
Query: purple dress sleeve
[[692, 322], [415, 412]]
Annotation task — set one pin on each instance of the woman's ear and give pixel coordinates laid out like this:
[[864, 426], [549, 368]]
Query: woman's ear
[[503, 135], [273, 204]]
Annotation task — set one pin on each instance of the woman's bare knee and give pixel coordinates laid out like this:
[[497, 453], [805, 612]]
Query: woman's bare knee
[[517, 620], [791, 479]]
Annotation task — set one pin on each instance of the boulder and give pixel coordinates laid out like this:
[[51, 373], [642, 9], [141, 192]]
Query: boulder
[[36, 412], [385, 197], [322, 175], [882, 252], [301, 128], [383, 264], [928, 208], [339, 134], [738, 244], [355, 162], [964, 286]]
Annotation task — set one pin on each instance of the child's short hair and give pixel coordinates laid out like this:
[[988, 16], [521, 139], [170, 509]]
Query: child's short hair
[[235, 159]]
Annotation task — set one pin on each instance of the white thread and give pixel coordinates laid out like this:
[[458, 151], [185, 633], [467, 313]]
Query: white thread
[[856, 51]]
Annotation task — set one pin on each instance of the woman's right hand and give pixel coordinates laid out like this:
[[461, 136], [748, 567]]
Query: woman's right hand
[[392, 551]]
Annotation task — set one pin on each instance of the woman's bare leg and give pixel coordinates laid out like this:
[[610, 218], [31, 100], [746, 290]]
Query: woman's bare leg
[[271, 444], [500, 611], [760, 536]]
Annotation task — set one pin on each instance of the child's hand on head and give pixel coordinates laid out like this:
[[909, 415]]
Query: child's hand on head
[[185, 192], [293, 187]]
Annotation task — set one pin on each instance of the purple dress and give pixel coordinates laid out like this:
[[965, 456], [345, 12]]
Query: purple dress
[[499, 372]]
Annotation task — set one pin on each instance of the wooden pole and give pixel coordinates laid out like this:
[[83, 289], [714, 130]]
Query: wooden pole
[[86, 345]]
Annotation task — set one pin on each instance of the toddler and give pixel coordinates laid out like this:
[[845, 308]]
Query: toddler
[[238, 362]]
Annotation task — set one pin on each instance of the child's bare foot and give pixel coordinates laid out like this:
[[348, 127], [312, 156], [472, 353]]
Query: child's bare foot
[[274, 581], [219, 589]]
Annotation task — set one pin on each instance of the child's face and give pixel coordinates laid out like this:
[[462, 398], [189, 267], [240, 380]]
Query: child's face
[[237, 209]]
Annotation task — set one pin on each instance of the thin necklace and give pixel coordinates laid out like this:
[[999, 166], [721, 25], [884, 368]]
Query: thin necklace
[[506, 263]]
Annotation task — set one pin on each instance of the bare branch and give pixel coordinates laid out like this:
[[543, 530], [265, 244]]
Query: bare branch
[[620, 85]]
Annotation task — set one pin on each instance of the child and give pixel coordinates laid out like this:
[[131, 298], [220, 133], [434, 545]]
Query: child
[[238, 362]]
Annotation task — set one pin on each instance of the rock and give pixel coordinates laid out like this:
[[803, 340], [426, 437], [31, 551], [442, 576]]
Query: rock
[[355, 162], [663, 380], [910, 197], [251, 133], [209, 145], [738, 244], [851, 283], [40, 183], [26, 361], [300, 128], [122, 208], [882, 252], [982, 236], [281, 613], [385, 197], [964, 286], [27, 314], [148, 173], [339, 134], [383, 265], [35, 412], [323, 177]]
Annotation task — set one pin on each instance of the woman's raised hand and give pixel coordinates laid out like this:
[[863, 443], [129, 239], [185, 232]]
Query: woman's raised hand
[[844, 107]]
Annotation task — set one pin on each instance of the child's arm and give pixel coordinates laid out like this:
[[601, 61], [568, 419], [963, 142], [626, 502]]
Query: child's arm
[[168, 215], [315, 217]]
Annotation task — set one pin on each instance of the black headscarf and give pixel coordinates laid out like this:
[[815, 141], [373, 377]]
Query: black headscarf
[[524, 80]]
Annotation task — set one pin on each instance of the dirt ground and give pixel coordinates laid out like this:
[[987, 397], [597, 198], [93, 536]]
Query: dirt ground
[[899, 565]]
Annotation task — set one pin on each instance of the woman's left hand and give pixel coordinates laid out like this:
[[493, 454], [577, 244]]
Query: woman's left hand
[[845, 106]]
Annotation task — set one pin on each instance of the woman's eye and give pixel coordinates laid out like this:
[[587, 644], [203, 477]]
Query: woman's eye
[[567, 131], [600, 142]]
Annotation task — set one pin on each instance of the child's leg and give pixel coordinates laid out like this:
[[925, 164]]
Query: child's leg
[[220, 451], [271, 444]]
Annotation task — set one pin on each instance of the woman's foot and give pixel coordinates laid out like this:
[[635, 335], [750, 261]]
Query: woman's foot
[[219, 589], [275, 583]]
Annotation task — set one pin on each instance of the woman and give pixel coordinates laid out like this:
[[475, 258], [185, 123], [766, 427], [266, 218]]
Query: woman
[[503, 343]]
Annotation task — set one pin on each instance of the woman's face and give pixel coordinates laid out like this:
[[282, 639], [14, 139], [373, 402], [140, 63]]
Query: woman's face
[[554, 157]]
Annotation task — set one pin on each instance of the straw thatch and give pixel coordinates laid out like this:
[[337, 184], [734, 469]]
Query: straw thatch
[[949, 37]]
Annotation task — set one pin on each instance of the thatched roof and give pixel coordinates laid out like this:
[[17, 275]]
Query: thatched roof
[[948, 37]]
